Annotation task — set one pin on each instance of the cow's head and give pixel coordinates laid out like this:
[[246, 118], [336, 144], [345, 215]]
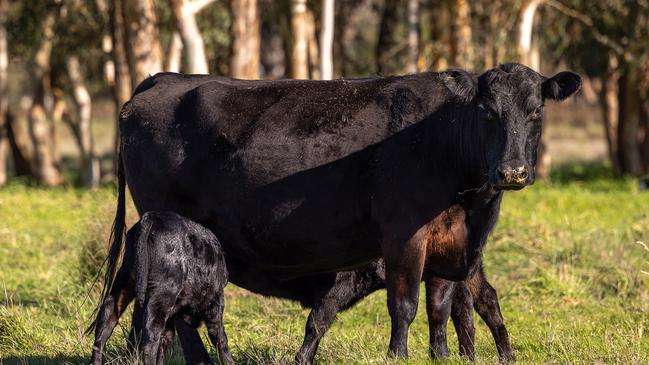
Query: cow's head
[[510, 100]]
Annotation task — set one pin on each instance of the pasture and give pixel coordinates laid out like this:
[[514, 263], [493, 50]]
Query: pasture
[[565, 259]]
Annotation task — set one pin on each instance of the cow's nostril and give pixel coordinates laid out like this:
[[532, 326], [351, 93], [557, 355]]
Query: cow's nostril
[[523, 173]]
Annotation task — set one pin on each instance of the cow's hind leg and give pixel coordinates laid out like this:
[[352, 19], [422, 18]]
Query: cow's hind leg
[[111, 309], [462, 316], [404, 263], [349, 288], [439, 298], [485, 301], [216, 331]]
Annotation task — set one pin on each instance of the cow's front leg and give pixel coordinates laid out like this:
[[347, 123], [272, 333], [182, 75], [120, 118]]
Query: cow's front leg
[[404, 263], [485, 301], [439, 298], [462, 316]]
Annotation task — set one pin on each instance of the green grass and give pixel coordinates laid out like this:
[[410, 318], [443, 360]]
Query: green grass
[[564, 257]]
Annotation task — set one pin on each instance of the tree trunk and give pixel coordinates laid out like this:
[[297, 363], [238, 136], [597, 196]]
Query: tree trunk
[[300, 48], [461, 47], [123, 85], [413, 35], [314, 52], [525, 31], [174, 56], [387, 41], [610, 107], [245, 59], [19, 144], [144, 51], [185, 13], [274, 40], [628, 127], [439, 18], [46, 165], [4, 103], [89, 161], [327, 40], [529, 54]]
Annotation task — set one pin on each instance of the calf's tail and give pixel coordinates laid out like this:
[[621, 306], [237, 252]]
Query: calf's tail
[[142, 259]]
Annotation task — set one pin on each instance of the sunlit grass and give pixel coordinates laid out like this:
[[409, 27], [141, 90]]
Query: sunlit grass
[[564, 259]]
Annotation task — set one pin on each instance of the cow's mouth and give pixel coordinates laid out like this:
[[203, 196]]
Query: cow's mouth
[[503, 186]]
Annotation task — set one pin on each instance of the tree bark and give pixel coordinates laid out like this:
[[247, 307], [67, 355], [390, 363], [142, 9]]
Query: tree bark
[[83, 103], [123, 85], [300, 46], [529, 54], [46, 165], [413, 35], [387, 41], [174, 56], [461, 47], [526, 30], [20, 147], [144, 51], [4, 103], [439, 18], [327, 39], [274, 41], [610, 107], [185, 13], [628, 127], [245, 59]]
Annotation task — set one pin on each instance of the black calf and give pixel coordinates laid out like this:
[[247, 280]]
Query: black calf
[[175, 270]]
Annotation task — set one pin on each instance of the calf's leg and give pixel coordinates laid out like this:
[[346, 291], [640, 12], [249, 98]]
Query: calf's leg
[[349, 287], [216, 331], [157, 310], [439, 298], [485, 301], [111, 309], [193, 349], [166, 340]]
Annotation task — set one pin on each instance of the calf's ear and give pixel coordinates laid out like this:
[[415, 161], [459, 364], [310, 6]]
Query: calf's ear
[[561, 85]]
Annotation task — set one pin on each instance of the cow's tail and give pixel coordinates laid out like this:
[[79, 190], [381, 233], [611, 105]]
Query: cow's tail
[[142, 259], [116, 239]]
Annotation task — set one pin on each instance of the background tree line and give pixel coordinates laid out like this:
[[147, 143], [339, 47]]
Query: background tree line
[[79, 51]]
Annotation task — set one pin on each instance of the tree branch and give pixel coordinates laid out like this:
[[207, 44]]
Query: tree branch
[[197, 5], [599, 37]]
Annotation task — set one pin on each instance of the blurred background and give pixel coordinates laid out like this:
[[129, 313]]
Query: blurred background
[[66, 66]]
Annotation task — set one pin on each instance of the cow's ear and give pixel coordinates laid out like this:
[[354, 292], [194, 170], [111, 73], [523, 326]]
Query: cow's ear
[[561, 85], [463, 85]]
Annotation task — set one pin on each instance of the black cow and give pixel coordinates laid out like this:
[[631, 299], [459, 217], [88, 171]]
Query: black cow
[[309, 177], [175, 270]]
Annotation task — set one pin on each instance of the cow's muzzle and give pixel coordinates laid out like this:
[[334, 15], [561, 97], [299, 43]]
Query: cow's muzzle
[[513, 177]]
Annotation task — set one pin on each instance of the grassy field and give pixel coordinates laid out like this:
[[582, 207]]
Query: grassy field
[[565, 258]]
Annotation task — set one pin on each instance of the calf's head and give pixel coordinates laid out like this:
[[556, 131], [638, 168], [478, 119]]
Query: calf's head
[[510, 102]]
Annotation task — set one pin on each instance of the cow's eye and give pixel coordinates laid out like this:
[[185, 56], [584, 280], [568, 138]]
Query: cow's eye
[[537, 113], [488, 112]]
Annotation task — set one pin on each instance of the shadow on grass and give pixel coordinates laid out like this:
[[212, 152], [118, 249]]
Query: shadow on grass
[[582, 172], [54, 360]]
